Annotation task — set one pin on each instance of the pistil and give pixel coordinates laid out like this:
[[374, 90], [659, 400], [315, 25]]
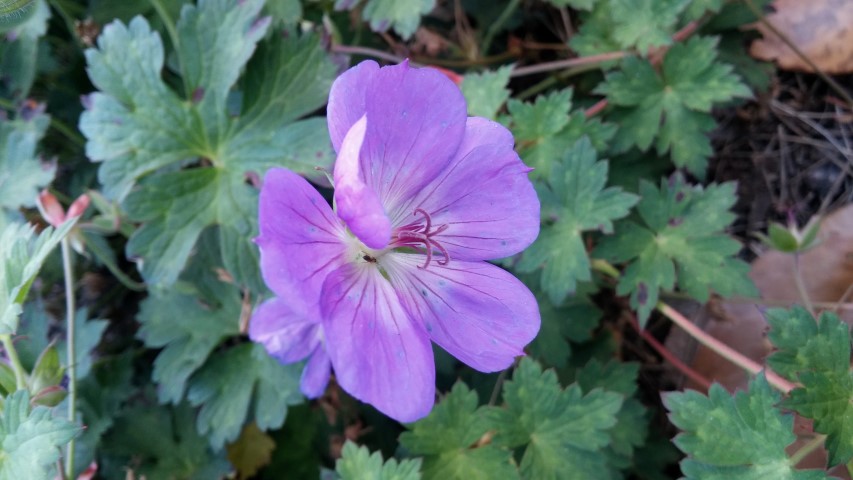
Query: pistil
[[420, 235]]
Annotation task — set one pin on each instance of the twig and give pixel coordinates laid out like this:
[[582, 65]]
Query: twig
[[724, 350], [368, 52], [567, 63], [787, 41]]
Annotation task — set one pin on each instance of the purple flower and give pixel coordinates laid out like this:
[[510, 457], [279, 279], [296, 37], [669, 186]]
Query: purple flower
[[424, 195]]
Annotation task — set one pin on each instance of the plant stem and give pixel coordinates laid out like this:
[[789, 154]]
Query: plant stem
[[806, 449], [70, 334], [20, 375], [682, 367], [568, 63], [498, 24], [724, 350], [368, 52], [801, 286]]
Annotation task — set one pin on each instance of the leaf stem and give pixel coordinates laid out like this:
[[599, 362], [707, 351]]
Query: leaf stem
[[801, 286], [12, 353], [724, 350], [498, 24], [806, 449], [670, 357], [70, 335]]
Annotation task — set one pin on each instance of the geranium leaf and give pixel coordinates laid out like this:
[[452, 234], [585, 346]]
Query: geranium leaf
[[742, 436], [486, 92], [563, 432], [817, 354], [673, 105], [356, 463], [680, 239], [30, 438], [403, 16], [137, 125], [22, 173], [447, 438], [574, 200]]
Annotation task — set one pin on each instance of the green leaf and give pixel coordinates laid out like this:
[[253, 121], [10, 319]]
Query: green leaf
[[356, 463], [545, 129], [162, 442], [142, 130], [681, 239], [574, 200], [644, 24], [14, 13], [48, 371], [22, 174], [286, 11], [817, 354], [21, 256], [19, 54], [486, 92], [673, 105], [448, 440], [734, 437], [237, 381], [188, 330], [563, 432], [697, 8], [573, 321], [403, 16], [30, 440]]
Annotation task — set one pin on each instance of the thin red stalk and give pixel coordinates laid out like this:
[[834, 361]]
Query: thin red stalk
[[596, 109], [724, 350], [670, 357]]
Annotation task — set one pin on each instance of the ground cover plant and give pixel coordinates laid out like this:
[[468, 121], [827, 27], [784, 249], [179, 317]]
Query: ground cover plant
[[420, 239]]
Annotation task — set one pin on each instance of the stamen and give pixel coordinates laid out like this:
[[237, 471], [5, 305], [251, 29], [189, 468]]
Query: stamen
[[420, 236]]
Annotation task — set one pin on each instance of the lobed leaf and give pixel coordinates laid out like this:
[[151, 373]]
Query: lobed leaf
[[356, 463]]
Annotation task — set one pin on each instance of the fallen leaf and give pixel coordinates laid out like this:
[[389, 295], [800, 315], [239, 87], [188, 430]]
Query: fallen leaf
[[821, 29], [251, 451]]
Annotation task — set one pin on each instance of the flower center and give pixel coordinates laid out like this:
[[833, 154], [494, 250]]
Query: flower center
[[419, 235]]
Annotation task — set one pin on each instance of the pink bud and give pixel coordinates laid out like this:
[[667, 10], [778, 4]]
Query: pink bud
[[79, 206], [50, 208]]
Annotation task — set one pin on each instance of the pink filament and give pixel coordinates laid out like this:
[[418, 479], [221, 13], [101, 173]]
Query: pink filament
[[419, 235]]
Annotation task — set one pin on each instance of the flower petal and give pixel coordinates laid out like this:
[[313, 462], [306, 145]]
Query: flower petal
[[484, 196], [316, 374], [476, 311], [301, 238], [380, 356], [416, 120], [357, 204], [285, 329], [347, 100]]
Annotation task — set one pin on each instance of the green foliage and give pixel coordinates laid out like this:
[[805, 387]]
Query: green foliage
[[563, 432], [740, 437], [574, 321], [574, 200], [486, 92], [19, 57], [403, 16], [672, 105], [448, 440], [356, 463], [139, 127], [679, 237], [545, 129], [30, 439], [644, 24], [817, 355], [22, 174], [162, 443], [21, 256]]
